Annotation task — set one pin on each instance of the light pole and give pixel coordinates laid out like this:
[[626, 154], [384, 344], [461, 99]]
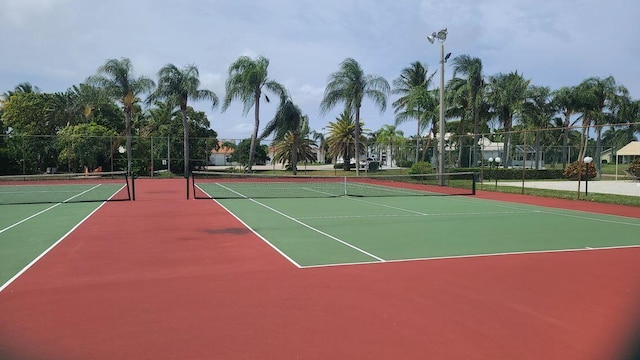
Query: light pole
[[587, 160], [441, 36]]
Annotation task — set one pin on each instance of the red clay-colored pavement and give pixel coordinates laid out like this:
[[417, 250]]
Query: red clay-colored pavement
[[168, 278]]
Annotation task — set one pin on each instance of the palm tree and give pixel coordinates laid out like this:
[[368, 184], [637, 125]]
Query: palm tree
[[247, 81], [287, 122], [536, 114], [117, 79], [567, 101], [389, 137], [472, 69], [291, 148], [413, 87], [340, 140], [321, 142], [178, 86], [507, 93], [350, 85], [602, 97]]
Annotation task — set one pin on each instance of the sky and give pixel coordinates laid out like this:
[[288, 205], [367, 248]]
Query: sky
[[55, 44]]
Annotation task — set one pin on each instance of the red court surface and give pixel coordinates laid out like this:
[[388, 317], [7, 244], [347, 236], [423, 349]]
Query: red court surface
[[168, 278]]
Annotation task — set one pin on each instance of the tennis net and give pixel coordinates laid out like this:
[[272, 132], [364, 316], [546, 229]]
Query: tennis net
[[221, 185], [65, 188]]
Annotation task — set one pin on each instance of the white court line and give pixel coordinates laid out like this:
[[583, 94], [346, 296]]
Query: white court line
[[479, 256], [305, 225], [47, 209], [4, 286], [250, 229], [560, 212], [504, 213]]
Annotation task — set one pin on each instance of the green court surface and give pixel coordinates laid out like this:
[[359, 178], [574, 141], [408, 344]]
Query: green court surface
[[347, 230], [28, 230]]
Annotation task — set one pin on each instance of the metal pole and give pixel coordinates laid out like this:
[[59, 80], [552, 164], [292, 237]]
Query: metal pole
[[441, 122]]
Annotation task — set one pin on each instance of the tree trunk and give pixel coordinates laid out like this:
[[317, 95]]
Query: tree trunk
[[185, 125], [596, 156], [254, 135], [294, 154], [565, 139], [357, 140], [127, 120]]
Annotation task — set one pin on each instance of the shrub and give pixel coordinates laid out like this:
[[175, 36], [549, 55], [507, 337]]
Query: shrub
[[577, 170], [421, 167], [634, 167], [404, 163], [374, 166]]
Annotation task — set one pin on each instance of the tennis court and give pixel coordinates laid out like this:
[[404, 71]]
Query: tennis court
[[332, 276], [381, 220]]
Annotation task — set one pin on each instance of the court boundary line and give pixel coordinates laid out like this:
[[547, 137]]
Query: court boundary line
[[251, 229], [51, 207], [453, 257], [51, 247], [307, 226], [572, 213]]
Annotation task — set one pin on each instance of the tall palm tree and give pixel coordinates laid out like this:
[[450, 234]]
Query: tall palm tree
[[567, 101], [117, 78], [507, 93], [350, 86], [178, 86], [602, 97], [537, 113], [287, 122], [471, 68], [248, 79], [413, 87]]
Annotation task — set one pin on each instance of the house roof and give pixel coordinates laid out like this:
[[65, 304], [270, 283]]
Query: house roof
[[632, 148]]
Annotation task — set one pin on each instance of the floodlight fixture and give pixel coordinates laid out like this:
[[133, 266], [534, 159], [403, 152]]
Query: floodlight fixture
[[441, 36]]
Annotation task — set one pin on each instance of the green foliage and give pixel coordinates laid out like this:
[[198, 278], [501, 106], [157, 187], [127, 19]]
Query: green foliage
[[421, 167], [634, 167], [84, 145], [241, 153], [579, 170], [405, 163]]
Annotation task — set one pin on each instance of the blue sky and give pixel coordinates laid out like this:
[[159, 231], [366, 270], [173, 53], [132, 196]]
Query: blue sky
[[55, 44]]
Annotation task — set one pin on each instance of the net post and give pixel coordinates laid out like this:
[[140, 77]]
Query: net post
[[133, 186], [474, 181], [187, 181], [126, 180], [345, 185]]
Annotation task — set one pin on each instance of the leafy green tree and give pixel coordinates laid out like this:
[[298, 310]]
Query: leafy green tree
[[32, 127], [287, 123], [117, 79], [416, 101], [180, 85], [84, 145], [248, 79], [350, 86], [241, 153]]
